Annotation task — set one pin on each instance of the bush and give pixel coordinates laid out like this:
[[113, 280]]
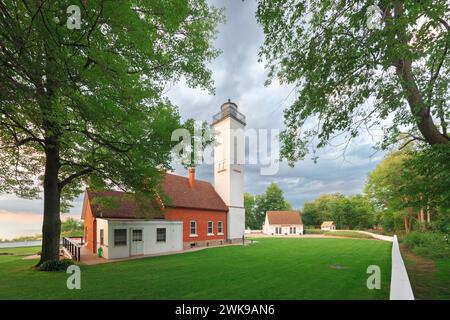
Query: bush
[[56, 265], [428, 244]]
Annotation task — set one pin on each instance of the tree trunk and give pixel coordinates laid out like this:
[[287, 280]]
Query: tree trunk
[[407, 226], [428, 215], [419, 109], [51, 228]]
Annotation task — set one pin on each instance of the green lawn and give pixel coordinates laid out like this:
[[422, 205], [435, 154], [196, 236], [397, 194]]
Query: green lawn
[[340, 233], [271, 268], [430, 278]]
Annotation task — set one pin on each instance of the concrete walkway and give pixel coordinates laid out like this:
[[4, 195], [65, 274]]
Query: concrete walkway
[[375, 235], [327, 235]]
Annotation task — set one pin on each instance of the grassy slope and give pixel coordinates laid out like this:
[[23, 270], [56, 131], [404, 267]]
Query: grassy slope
[[430, 278], [268, 269]]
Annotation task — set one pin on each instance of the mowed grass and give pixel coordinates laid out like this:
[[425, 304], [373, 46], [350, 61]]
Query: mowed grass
[[340, 233], [271, 268]]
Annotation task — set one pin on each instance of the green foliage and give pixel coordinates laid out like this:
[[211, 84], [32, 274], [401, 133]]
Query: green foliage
[[249, 206], [256, 206], [349, 77], [71, 224], [56, 265], [202, 136], [352, 212], [95, 95], [86, 106], [428, 244], [409, 181]]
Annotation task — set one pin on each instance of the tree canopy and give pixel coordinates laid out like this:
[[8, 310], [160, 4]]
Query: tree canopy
[[85, 105], [350, 76], [256, 206], [412, 186], [352, 212]]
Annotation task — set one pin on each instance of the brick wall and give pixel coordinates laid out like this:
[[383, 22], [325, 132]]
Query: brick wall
[[201, 217], [90, 227]]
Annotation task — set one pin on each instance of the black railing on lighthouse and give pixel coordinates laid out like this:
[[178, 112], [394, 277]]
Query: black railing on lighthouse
[[73, 247]]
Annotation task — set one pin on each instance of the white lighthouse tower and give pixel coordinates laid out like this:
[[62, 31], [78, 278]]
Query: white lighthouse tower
[[229, 156]]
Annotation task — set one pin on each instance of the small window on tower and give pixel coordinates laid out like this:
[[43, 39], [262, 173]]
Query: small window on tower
[[219, 227]]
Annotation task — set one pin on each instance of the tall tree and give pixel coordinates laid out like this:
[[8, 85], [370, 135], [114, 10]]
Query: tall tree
[[85, 105], [391, 189], [249, 206], [351, 74], [271, 199]]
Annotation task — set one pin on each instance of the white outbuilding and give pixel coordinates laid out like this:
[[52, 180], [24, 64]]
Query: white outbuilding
[[328, 225], [283, 223]]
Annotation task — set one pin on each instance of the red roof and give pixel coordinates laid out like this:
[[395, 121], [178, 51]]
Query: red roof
[[202, 196], [284, 217]]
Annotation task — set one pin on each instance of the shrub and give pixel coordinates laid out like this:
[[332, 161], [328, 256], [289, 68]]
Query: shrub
[[56, 265], [428, 244]]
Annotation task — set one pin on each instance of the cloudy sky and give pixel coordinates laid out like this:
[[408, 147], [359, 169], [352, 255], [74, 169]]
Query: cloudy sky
[[238, 76]]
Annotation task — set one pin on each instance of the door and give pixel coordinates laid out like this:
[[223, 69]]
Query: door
[[137, 242]]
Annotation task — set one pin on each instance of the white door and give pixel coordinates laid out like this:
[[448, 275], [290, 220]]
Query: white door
[[137, 242]]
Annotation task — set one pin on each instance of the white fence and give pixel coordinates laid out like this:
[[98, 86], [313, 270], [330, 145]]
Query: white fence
[[248, 231], [400, 285]]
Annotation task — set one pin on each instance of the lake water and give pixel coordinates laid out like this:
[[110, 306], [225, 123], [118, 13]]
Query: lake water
[[20, 244]]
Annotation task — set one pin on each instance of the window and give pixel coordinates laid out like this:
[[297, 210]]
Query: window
[[102, 237], [137, 235], [120, 237], [160, 234], [193, 228], [219, 227], [295, 229], [210, 228]]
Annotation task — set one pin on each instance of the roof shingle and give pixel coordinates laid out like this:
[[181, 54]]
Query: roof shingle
[[201, 196], [284, 217]]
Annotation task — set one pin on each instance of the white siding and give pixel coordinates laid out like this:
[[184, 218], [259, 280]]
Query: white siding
[[270, 229], [229, 172], [174, 236]]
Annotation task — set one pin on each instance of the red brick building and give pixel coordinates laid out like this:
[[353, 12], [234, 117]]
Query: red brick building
[[195, 213], [193, 202]]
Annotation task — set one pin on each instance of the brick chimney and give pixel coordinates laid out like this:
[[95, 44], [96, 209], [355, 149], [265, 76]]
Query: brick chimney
[[191, 177]]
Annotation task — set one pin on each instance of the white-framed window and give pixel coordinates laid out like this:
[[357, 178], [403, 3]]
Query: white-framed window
[[136, 235], [219, 227], [193, 228], [160, 234], [102, 237], [210, 228], [295, 230], [120, 237]]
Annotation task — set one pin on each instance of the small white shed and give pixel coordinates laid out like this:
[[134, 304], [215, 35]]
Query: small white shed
[[120, 238], [328, 226]]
